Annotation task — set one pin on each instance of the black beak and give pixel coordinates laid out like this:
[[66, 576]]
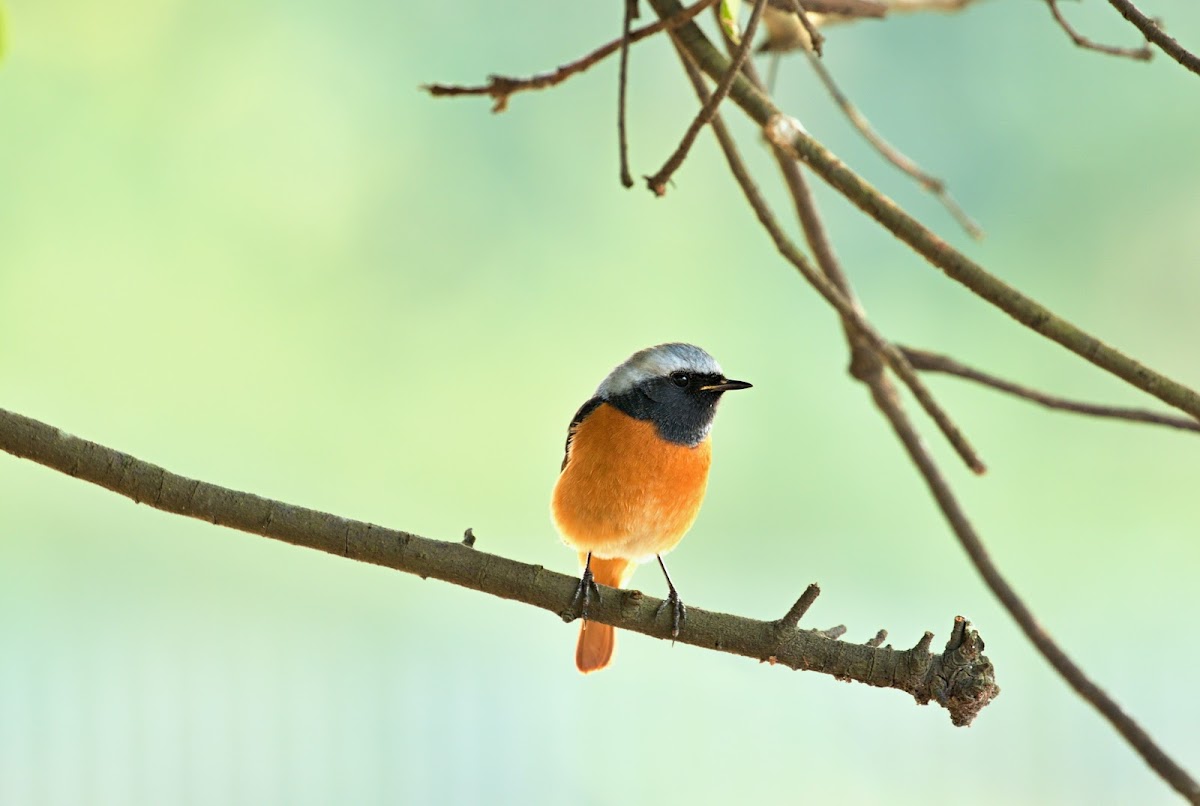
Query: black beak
[[725, 386]]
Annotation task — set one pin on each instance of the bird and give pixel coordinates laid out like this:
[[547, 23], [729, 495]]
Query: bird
[[634, 476]]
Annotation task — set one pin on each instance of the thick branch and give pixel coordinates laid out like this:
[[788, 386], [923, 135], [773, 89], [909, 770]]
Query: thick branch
[[785, 132], [961, 678]]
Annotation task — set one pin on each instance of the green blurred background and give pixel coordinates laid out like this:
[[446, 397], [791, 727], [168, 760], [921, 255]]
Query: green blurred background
[[237, 241]]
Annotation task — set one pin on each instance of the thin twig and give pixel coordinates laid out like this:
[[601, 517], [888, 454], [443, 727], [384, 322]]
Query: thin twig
[[934, 362], [500, 88], [784, 131], [962, 682], [658, 182], [878, 640], [797, 610], [1154, 32], [847, 309], [786, 33], [931, 183], [816, 40], [894, 6], [854, 9], [622, 79], [1142, 54]]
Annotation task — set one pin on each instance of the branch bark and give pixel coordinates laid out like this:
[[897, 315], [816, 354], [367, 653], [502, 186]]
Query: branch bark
[[961, 679], [1154, 33]]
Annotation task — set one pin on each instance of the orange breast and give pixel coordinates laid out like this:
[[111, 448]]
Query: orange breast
[[627, 492]]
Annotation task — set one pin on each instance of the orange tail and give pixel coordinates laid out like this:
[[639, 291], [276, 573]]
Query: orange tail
[[596, 641]]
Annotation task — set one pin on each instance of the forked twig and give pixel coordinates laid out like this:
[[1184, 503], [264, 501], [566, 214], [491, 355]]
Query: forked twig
[[846, 308], [934, 362], [500, 88], [816, 40], [788, 134], [1142, 54], [658, 182]]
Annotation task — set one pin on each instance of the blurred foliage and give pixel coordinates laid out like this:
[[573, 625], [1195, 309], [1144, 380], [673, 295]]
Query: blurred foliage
[[237, 241]]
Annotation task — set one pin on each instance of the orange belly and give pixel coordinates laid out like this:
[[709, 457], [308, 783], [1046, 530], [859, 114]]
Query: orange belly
[[627, 492]]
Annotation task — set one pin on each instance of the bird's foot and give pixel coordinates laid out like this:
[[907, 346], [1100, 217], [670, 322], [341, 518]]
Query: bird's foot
[[678, 611], [584, 593]]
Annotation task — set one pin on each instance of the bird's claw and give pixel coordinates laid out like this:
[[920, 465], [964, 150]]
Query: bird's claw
[[584, 593], [678, 612]]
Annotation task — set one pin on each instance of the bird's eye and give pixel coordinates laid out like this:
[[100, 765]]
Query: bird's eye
[[680, 379]]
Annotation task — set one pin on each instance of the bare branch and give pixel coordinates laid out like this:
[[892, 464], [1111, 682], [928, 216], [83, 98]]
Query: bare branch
[[787, 133], [908, 6], [1140, 54], [935, 362], [815, 40], [787, 32], [843, 8], [928, 181], [963, 685], [1155, 34], [500, 88], [658, 182], [846, 308], [882, 392], [622, 84]]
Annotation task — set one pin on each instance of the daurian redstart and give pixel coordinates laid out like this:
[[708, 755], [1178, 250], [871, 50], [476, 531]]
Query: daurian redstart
[[634, 474]]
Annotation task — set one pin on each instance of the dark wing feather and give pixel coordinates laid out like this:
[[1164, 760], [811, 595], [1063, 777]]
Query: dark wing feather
[[580, 416]]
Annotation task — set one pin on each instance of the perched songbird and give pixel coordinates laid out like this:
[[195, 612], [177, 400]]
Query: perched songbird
[[634, 475]]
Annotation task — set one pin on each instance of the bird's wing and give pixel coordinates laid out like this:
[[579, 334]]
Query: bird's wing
[[580, 416]]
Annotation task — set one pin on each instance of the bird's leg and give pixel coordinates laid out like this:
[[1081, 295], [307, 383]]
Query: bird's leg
[[678, 611], [586, 590]]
